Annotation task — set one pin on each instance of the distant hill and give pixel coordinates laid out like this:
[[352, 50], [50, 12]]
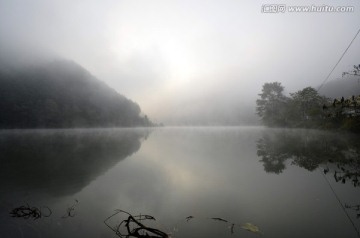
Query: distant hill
[[62, 94], [344, 87]]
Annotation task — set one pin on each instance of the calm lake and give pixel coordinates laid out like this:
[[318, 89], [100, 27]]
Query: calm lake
[[285, 183]]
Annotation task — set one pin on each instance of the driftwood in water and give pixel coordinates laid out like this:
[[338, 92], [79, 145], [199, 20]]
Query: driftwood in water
[[134, 227], [27, 212]]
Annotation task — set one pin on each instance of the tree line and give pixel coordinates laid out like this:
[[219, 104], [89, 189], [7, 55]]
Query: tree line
[[306, 108]]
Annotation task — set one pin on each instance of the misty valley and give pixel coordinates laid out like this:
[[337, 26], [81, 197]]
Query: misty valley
[[195, 181], [179, 119], [79, 159]]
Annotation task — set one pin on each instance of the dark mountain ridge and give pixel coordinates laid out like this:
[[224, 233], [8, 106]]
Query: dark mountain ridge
[[62, 94]]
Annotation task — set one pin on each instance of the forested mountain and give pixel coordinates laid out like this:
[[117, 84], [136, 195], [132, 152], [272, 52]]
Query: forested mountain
[[62, 94]]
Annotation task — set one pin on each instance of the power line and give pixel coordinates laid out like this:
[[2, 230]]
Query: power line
[[339, 60], [341, 205]]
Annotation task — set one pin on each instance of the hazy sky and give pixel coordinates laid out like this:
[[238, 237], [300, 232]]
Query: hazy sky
[[177, 57]]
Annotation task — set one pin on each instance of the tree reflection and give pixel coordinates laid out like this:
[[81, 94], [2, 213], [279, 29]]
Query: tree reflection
[[62, 162], [272, 155], [308, 149], [338, 154]]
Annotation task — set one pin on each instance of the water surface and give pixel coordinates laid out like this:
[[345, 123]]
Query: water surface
[[272, 178]]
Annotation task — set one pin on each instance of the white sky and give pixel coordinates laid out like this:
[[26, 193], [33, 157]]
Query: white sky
[[180, 58]]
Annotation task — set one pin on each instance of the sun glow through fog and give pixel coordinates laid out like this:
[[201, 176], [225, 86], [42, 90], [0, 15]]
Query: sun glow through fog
[[177, 57]]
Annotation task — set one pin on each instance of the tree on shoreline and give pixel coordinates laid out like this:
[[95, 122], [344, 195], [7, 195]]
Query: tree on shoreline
[[271, 105], [306, 108]]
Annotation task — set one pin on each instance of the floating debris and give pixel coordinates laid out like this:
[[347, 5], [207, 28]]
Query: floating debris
[[232, 228], [218, 219], [134, 228], [27, 212], [189, 218], [70, 211], [251, 227]]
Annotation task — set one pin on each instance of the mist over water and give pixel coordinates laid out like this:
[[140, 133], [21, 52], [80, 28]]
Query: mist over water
[[272, 178], [150, 108]]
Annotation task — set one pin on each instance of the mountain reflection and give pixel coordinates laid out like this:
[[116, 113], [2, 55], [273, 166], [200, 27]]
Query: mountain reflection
[[308, 149], [62, 162]]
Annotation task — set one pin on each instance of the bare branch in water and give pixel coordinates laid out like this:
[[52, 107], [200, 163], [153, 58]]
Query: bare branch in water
[[27, 212], [134, 228], [232, 228], [218, 219], [70, 211]]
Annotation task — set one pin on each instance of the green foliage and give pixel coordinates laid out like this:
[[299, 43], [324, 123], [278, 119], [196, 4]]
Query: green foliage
[[271, 105], [307, 109], [61, 94], [351, 123]]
